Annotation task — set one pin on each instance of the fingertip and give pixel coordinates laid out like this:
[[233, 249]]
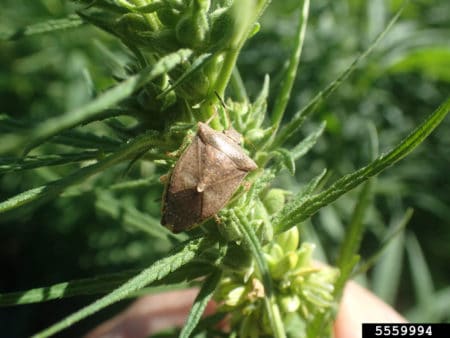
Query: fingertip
[[358, 305]]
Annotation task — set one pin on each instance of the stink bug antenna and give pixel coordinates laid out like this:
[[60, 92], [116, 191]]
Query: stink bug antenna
[[225, 108], [221, 100]]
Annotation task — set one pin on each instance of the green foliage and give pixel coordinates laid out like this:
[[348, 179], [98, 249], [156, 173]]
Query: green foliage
[[90, 153], [204, 296]]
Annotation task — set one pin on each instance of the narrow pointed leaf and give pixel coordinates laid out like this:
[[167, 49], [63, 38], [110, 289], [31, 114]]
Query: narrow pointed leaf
[[291, 71], [300, 197], [397, 232], [50, 190], [290, 128], [312, 204], [183, 254], [204, 296], [8, 164], [421, 275], [304, 146], [71, 21], [257, 113], [390, 263], [89, 286], [286, 159], [238, 86], [199, 62], [350, 246], [130, 216], [48, 128]]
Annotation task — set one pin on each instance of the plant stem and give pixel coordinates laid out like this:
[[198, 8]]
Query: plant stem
[[273, 312], [285, 91], [284, 95], [232, 53], [226, 71]]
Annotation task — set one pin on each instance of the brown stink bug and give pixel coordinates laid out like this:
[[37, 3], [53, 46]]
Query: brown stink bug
[[205, 177]]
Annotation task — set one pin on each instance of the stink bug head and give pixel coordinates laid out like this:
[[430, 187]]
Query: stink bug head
[[234, 135]]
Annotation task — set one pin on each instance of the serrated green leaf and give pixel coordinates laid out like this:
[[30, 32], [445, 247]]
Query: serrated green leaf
[[256, 115], [312, 204], [86, 140], [130, 216], [50, 190], [238, 86], [199, 62], [300, 197], [11, 164], [71, 21], [286, 158], [202, 299], [50, 127], [441, 308], [304, 146], [288, 130], [89, 286], [82, 287], [389, 263], [180, 256]]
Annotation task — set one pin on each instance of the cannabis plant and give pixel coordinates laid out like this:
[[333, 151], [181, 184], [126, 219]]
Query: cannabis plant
[[139, 133]]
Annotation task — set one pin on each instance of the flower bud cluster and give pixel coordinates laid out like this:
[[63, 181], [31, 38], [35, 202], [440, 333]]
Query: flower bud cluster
[[302, 288]]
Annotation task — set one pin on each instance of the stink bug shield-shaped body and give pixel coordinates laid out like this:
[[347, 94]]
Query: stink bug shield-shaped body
[[204, 178]]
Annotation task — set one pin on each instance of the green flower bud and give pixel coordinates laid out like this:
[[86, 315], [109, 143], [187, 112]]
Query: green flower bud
[[275, 251], [235, 296], [284, 265], [193, 28], [261, 157], [162, 41], [289, 240], [274, 200], [289, 303], [230, 293], [237, 258], [260, 216], [304, 255], [228, 228], [197, 87], [316, 288], [222, 30], [254, 135], [129, 23], [169, 16]]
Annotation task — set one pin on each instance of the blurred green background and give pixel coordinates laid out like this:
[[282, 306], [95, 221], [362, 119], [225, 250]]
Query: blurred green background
[[403, 81]]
